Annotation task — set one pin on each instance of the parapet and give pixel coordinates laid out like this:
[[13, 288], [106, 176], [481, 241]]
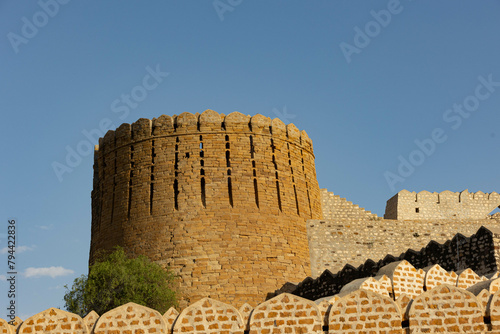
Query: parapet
[[446, 205], [207, 122]]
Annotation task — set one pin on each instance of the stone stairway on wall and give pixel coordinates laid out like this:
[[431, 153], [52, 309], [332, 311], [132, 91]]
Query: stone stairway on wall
[[336, 207]]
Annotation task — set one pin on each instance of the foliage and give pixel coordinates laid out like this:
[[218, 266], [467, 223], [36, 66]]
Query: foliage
[[115, 280]]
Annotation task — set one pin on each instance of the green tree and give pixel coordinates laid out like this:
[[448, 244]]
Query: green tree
[[115, 280]]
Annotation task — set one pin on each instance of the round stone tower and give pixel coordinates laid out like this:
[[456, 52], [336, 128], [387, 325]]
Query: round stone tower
[[222, 200]]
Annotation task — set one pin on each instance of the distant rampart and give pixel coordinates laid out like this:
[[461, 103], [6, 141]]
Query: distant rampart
[[425, 205]]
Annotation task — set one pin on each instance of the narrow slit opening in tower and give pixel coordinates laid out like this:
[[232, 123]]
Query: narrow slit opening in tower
[[256, 191], [278, 193], [296, 200], [251, 148], [309, 199], [203, 196], [176, 194], [230, 191], [151, 192], [272, 145], [129, 201], [228, 162]]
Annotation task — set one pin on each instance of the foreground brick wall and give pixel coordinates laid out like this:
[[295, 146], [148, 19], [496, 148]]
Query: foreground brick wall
[[286, 313], [131, 318], [6, 328], [443, 309], [446, 309], [365, 311], [208, 316], [209, 195], [54, 320]]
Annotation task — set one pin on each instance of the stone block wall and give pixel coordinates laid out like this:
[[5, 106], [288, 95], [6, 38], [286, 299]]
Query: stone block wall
[[335, 207], [425, 205], [209, 195], [335, 243], [479, 253]]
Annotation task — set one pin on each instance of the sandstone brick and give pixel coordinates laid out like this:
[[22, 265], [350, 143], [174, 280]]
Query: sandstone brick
[[90, 319], [350, 314], [209, 316], [170, 317], [54, 321], [460, 308], [301, 316], [130, 318]]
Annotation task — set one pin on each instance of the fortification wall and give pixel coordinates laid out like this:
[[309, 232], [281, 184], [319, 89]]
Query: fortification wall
[[335, 243], [222, 200], [336, 207], [442, 309], [480, 252], [424, 205]]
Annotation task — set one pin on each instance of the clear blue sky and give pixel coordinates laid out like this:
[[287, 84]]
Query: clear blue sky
[[364, 79]]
